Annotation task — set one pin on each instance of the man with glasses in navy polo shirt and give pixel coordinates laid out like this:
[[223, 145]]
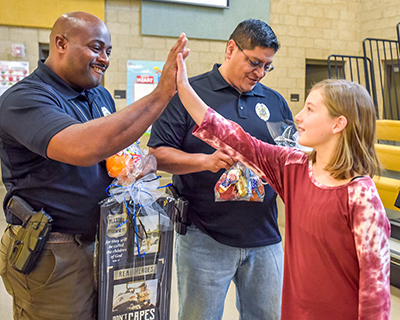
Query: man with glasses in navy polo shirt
[[235, 241], [56, 128]]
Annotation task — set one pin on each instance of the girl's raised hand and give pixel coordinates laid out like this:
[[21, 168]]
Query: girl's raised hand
[[189, 98], [181, 76]]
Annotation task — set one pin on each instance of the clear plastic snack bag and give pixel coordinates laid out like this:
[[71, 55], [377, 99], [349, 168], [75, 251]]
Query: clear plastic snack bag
[[285, 134], [130, 164], [239, 183]]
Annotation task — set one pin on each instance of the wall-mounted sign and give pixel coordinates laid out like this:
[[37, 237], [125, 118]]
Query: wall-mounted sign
[[142, 78], [199, 21], [11, 72], [18, 50], [119, 94], [294, 97], [207, 3]]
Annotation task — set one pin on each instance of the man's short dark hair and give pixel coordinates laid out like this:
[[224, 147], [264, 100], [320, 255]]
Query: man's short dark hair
[[253, 33]]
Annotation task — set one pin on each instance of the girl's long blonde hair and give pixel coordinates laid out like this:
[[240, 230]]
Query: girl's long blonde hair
[[356, 148]]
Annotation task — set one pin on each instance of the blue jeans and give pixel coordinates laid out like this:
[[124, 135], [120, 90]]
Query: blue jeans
[[206, 267]]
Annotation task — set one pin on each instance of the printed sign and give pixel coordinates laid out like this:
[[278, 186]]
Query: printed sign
[[142, 78], [11, 72]]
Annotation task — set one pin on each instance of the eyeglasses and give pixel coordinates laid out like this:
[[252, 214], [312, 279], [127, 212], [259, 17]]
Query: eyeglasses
[[256, 64]]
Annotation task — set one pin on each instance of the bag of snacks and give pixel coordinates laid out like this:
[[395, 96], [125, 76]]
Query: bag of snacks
[[239, 183]]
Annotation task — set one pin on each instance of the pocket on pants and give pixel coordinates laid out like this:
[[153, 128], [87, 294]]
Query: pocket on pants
[[43, 270], [65, 290], [5, 244], [37, 278]]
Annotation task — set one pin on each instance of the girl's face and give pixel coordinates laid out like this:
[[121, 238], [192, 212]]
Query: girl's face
[[316, 126]]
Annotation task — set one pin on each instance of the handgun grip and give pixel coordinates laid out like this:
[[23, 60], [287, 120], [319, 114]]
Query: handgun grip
[[20, 208]]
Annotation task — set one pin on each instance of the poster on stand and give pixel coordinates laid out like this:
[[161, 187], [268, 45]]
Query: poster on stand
[[135, 247], [11, 72], [142, 78]]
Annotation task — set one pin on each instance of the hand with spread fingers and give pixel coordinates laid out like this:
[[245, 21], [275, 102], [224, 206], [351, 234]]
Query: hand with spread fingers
[[167, 81]]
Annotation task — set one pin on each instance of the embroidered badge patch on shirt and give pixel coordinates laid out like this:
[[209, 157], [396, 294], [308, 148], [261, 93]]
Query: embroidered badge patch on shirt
[[262, 111], [105, 111]]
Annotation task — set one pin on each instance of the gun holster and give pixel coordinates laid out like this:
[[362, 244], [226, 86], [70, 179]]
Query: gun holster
[[180, 215], [31, 237]]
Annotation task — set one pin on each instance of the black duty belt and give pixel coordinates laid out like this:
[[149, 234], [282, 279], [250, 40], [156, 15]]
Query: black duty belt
[[54, 237]]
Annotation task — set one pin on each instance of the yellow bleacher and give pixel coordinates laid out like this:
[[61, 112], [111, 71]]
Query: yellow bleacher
[[389, 156]]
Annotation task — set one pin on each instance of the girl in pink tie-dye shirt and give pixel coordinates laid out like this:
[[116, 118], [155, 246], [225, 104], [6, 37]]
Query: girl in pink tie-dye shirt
[[337, 257]]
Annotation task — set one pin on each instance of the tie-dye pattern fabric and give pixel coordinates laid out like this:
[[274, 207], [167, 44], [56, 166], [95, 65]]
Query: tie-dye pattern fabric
[[337, 256]]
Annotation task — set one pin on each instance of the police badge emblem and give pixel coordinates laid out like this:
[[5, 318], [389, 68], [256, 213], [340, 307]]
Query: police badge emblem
[[262, 111]]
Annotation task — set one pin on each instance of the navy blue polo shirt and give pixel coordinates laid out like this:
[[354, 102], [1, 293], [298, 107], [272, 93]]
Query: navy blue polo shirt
[[31, 113], [234, 223]]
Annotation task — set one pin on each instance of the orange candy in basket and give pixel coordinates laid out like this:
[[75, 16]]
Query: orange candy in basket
[[118, 163]]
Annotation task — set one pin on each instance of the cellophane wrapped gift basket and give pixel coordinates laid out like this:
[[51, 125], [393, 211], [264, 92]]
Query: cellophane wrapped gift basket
[[135, 241]]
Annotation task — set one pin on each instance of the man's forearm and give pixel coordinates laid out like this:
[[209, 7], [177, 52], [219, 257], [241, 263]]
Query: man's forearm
[[88, 143], [178, 162]]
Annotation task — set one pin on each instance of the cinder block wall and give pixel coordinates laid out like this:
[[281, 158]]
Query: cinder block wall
[[310, 29], [379, 19], [124, 22], [307, 29], [30, 37]]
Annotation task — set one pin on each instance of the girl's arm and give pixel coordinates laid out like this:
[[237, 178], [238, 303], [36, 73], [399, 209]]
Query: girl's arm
[[265, 160], [371, 230], [192, 102]]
